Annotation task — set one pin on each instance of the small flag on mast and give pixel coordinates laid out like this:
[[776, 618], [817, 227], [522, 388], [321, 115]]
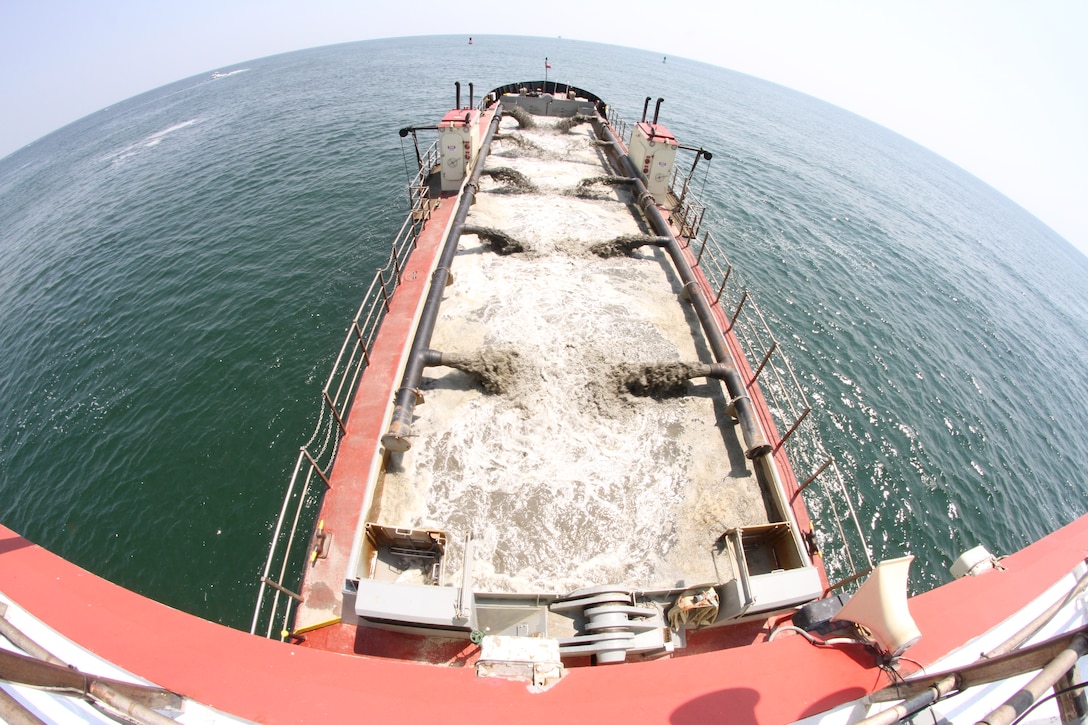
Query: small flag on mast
[[546, 68]]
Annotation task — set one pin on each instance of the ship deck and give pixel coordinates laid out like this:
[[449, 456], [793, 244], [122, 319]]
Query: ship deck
[[562, 477], [560, 426]]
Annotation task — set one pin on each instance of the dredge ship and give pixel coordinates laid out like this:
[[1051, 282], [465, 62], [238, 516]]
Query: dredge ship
[[558, 473]]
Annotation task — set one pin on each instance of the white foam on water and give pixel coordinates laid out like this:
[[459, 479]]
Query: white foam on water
[[149, 141], [155, 138]]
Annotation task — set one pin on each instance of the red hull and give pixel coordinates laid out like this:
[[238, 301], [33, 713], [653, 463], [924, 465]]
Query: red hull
[[272, 682]]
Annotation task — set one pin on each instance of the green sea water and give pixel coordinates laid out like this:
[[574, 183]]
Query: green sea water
[[177, 273]]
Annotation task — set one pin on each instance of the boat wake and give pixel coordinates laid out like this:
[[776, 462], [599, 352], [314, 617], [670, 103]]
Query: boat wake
[[149, 141]]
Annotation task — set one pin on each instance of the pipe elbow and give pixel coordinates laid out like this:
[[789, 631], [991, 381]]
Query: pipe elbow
[[719, 370]]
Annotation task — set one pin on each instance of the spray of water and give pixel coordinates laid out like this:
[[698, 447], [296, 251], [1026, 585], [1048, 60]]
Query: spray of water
[[587, 188], [515, 144]]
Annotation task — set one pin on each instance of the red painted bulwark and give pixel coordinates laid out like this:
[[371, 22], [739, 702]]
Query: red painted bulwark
[[272, 682]]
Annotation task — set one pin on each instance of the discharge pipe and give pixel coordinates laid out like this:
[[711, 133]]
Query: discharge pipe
[[755, 442], [404, 405]]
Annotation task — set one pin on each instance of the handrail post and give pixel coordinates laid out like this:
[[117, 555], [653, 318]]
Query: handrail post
[[725, 280], [847, 580], [763, 363], [793, 427], [335, 412], [381, 283], [702, 249], [814, 476], [280, 588], [740, 306], [362, 340], [317, 468]]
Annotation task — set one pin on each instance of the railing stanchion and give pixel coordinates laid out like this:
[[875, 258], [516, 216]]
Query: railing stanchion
[[740, 306], [763, 363], [317, 468], [815, 475], [725, 280], [702, 249], [381, 283], [335, 413], [280, 588], [794, 427], [362, 340]]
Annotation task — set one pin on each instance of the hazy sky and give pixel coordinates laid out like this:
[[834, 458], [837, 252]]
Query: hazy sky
[[999, 87]]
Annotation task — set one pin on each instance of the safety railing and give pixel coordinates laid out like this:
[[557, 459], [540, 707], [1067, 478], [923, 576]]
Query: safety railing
[[828, 499], [687, 212], [618, 124], [293, 539]]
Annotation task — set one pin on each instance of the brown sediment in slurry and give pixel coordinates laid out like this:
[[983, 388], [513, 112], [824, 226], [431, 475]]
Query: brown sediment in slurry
[[514, 144], [496, 370], [567, 479], [564, 125], [515, 181], [586, 190], [496, 240], [622, 245], [656, 379], [523, 117]]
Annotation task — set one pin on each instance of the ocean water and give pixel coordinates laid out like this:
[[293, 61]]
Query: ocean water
[[177, 272]]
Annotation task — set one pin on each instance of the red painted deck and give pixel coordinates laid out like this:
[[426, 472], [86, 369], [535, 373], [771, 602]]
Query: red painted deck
[[272, 682]]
